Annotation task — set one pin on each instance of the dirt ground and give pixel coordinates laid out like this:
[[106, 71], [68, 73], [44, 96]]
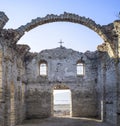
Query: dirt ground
[[60, 121]]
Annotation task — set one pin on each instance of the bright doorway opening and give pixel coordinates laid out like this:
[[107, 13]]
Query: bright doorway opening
[[62, 103]]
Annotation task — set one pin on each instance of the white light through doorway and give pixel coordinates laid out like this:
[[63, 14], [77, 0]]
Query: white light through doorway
[[62, 102], [62, 96]]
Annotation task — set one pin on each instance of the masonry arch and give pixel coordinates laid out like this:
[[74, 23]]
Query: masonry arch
[[68, 17]]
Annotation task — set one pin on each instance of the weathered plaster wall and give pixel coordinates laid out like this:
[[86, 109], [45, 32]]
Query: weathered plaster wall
[[1, 92], [38, 100], [110, 91], [97, 93], [117, 41], [107, 80], [118, 94], [14, 105], [12, 89], [3, 20], [62, 70]]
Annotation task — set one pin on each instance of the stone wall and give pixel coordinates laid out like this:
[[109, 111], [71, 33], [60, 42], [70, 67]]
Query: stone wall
[[110, 91], [12, 89], [62, 70], [1, 92], [13, 68], [38, 101], [26, 94], [107, 80]]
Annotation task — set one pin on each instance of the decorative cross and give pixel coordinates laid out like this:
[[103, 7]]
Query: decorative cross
[[60, 43]]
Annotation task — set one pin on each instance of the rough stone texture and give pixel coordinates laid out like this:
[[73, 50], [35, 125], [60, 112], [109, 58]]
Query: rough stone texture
[[38, 101], [107, 78], [3, 19], [103, 31], [62, 71], [14, 104], [26, 94]]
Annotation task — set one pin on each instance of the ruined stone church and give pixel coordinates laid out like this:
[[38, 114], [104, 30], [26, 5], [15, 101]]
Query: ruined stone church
[[27, 79]]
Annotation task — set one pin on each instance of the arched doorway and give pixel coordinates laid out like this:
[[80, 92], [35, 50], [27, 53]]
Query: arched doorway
[[62, 101]]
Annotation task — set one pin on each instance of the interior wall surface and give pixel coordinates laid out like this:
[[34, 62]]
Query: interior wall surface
[[94, 94], [13, 102], [107, 89], [61, 65]]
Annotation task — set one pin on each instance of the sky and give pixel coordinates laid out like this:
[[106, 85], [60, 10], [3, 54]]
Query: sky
[[62, 96], [47, 36]]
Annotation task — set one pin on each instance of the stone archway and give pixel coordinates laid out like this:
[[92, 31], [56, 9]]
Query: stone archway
[[66, 17], [103, 31]]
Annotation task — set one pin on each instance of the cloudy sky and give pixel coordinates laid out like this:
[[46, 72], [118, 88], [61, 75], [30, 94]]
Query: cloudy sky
[[75, 36]]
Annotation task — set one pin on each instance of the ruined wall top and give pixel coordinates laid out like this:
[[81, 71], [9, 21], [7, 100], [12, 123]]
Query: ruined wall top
[[107, 32], [61, 53], [3, 19], [61, 64]]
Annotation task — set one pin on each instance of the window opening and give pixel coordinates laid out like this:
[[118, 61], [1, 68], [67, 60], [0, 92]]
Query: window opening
[[43, 69], [80, 69]]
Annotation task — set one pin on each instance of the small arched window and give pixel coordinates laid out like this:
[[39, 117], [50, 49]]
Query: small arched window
[[43, 69], [80, 69]]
